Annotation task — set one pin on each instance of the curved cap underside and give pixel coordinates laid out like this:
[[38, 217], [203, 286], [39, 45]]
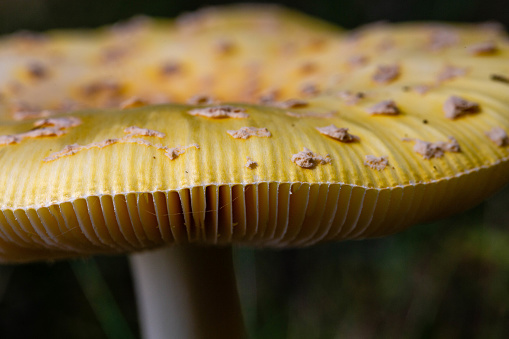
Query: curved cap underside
[[357, 135]]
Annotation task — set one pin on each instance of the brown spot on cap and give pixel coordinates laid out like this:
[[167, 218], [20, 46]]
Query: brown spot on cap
[[317, 43], [309, 89], [201, 99], [308, 159], [61, 123], [113, 54], [434, 149], [75, 148], [378, 163], [219, 112], [250, 163], [67, 150], [133, 103], [498, 136], [499, 78], [443, 38], [246, 132], [109, 142], [171, 153], [308, 67], [340, 134], [386, 107], [451, 72], [37, 70], [358, 60], [224, 46], [292, 103], [43, 128], [422, 89], [455, 107], [104, 87], [137, 131], [386, 73], [482, 48], [170, 68], [9, 139], [268, 97], [349, 97]]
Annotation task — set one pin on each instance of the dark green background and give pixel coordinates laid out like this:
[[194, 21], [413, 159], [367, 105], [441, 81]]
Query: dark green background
[[449, 279], [44, 14]]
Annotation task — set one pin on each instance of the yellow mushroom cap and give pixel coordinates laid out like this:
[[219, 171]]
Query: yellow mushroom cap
[[236, 54], [287, 173]]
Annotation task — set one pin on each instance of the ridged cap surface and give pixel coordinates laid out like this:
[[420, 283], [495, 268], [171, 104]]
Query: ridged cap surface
[[409, 129]]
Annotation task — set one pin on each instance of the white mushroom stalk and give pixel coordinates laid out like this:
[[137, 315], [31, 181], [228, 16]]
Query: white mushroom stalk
[[187, 292]]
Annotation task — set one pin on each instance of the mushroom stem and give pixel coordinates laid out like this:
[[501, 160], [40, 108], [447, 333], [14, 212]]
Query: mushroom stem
[[187, 292]]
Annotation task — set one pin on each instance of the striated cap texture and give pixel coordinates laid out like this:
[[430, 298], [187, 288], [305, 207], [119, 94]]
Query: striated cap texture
[[112, 176]]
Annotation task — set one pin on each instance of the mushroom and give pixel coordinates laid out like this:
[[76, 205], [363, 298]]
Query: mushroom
[[76, 70], [172, 187]]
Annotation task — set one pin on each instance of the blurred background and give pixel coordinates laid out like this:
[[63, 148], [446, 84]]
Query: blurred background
[[46, 14], [448, 279]]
